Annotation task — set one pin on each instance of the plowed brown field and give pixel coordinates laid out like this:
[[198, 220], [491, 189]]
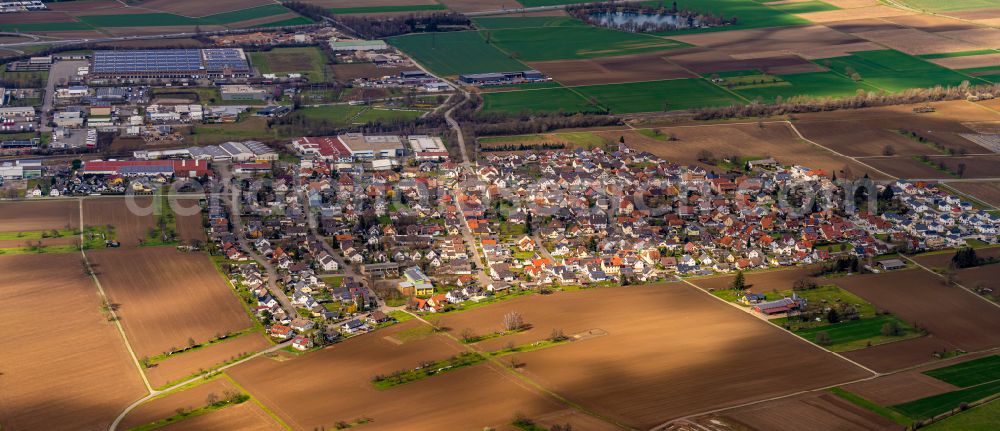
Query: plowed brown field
[[39, 215], [670, 351], [166, 297], [917, 296], [63, 366], [188, 363]]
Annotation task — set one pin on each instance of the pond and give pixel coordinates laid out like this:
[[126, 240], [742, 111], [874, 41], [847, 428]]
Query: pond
[[623, 19]]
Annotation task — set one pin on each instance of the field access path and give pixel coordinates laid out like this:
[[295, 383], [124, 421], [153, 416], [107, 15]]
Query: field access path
[[107, 303]]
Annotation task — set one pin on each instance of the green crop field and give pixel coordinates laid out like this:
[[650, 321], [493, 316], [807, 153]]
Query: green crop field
[[981, 418], [656, 95], [959, 54], [139, 20], [894, 71], [386, 9], [574, 42], [813, 85], [748, 13], [982, 370], [546, 100], [299, 20], [950, 5], [455, 53], [804, 7], [856, 334], [339, 115], [492, 23], [309, 61], [245, 14], [934, 405], [387, 115]]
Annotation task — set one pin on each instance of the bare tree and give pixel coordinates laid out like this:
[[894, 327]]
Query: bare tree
[[513, 321]]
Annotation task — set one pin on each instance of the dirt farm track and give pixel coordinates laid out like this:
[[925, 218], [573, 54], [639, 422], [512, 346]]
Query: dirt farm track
[[669, 351]]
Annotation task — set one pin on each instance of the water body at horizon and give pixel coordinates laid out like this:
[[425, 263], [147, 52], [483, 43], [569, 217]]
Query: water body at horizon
[[616, 19]]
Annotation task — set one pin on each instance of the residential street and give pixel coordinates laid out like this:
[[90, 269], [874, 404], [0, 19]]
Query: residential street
[[232, 196]]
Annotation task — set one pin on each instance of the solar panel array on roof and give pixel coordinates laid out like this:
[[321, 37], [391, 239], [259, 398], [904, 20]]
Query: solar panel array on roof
[[222, 58], [170, 60], [152, 60]]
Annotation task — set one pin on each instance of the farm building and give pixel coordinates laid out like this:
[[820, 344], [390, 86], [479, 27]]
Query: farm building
[[891, 264], [782, 305], [170, 63]]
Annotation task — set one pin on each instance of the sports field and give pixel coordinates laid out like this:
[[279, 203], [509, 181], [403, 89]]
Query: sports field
[[652, 96], [455, 53], [894, 71], [573, 42], [545, 100]]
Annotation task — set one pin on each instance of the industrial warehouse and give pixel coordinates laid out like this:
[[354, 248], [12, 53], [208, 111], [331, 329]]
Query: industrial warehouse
[[171, 63]]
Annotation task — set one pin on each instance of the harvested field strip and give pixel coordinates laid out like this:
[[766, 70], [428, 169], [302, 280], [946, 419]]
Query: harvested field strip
[[286, 23], [575, 42], [959, 54], [971, 373], [937, 404], [245, 14], [868, 405], [804, 7], [139, 20], [46, 26], [386, 9]]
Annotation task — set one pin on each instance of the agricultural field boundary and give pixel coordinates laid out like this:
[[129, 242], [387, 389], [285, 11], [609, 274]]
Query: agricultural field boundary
[[524, 379], [981, 298], [111, 310]]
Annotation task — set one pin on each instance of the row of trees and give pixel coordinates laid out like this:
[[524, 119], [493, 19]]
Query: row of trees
[[802, 104], [368, 28]]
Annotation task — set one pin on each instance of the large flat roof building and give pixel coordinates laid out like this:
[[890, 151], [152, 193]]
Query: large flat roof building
[[170, 63], [351, 146]]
